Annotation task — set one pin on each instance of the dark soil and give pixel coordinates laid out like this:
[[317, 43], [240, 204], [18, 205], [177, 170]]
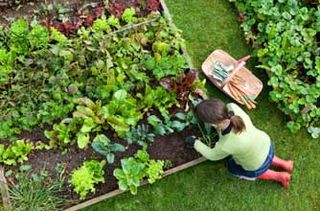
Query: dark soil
[[170, 148], [26, 9]]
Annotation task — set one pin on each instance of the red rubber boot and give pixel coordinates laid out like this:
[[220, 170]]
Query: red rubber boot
[[286, 165], [282, 177]]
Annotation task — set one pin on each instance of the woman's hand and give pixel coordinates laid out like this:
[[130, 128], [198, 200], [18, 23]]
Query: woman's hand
[[190, 140]]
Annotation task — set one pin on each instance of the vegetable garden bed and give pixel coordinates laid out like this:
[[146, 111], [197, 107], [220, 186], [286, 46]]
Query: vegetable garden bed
[[79, 94]]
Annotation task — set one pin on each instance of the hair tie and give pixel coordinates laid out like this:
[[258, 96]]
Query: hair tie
[[230, 114]]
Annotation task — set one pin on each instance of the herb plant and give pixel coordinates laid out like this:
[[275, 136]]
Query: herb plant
[[36, 193]]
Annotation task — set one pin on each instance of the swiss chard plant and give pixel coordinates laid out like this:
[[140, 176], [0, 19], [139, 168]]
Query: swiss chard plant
[[181, 85], [122, 112], [86, 118], [91, 116], [158, 98]]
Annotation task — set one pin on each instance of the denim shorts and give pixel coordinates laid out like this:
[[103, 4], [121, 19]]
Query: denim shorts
[[237, 170]]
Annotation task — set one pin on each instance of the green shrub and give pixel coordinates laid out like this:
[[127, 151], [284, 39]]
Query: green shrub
[[284, 35]]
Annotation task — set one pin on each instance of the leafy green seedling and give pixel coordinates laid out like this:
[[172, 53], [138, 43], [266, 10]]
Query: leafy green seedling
[[102, 144]]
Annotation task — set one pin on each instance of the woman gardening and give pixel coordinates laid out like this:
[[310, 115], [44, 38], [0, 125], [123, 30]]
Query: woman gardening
[[250, 149]]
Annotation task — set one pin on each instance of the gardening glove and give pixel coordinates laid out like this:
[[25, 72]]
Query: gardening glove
[[190, 140]]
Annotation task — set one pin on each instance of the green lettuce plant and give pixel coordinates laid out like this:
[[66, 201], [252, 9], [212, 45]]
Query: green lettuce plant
[[128, 15], [87, 176], [122, 112], [136, 168], [15, 153], [130, 174], [154, 170]]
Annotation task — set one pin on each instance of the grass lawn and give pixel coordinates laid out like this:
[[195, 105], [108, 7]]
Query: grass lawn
[[208, 25]]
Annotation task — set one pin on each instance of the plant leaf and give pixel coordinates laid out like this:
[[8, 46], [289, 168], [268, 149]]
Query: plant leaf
[[83, 140], [117, 148], [110, 158]]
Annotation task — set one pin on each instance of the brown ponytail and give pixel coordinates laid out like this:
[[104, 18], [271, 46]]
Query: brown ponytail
[[214, 111], [238, 124]]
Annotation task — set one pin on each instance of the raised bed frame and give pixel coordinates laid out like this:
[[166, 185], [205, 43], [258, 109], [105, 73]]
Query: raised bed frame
[[116, 192]]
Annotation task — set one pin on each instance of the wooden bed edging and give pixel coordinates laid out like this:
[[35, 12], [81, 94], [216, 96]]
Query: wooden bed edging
[[132, 26], [4, 190], [118, 191]]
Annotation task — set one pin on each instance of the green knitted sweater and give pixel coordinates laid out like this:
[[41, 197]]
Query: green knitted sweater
[[249, 149]]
